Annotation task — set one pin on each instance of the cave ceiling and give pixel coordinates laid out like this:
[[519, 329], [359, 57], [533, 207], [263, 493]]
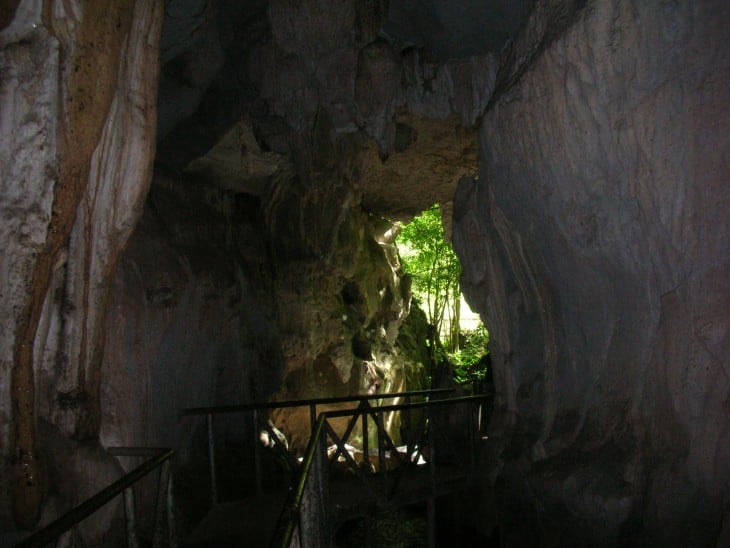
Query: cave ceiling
[[397, 88]]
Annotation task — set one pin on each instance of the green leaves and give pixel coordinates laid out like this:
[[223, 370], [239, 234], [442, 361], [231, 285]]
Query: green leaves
[[435, 269], [434, 266], [469, 362]]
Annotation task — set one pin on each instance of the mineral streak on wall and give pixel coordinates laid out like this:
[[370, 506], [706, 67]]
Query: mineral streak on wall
[[78, 92]]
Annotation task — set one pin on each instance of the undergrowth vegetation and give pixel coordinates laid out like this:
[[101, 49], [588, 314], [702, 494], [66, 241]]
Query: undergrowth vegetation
[[434, 267]]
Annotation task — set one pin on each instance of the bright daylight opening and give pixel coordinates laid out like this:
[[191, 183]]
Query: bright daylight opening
[[458, 336]]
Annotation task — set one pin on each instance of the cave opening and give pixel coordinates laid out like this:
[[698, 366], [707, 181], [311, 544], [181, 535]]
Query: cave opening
[[458, 336], [199, 203]]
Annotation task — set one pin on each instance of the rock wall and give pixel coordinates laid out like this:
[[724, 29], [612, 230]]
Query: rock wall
[[596, 245], [338, 123], [191, 319], [594, 240], [78, 118], [389, 115], [340, 301]]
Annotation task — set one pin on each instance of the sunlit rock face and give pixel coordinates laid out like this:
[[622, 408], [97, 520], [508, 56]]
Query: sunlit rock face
[[596, 243], [340, 302]]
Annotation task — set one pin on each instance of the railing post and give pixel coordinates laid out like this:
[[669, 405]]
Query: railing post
[[160, 502], [431, 503], [382, 467], [171, 529], [407, 429], [472, 436], [211, 457], [312, 417], [131, 518], [365, 443], [479, 418], [314, 515], [257, 453]]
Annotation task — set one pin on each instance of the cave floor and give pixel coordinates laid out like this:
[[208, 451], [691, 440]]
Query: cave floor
[[252, 520]]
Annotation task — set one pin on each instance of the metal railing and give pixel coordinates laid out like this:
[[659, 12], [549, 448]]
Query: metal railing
[[256, 408], [313, 528], [159, 457], [289, 519]]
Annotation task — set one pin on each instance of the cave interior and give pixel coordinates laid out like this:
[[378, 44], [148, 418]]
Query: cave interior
[[198, 201]]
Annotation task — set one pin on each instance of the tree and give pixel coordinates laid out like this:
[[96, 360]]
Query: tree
[[435, 269]]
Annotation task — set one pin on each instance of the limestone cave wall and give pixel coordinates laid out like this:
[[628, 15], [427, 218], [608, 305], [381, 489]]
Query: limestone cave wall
[[340, 302], [78, 116], [331, 128], [593, 236], [191, 320], [595, 244]]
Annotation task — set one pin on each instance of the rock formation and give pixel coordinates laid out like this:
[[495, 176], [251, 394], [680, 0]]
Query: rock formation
[[595, 243], [255, 258], [78, 94]]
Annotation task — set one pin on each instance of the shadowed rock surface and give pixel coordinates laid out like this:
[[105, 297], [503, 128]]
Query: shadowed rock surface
[[217, 227], [602, 214]]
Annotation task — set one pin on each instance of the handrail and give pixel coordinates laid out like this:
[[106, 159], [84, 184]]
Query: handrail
[[75, 515], [256, 407], [235, 408], [287, 520], [416, 405], [294, 498]]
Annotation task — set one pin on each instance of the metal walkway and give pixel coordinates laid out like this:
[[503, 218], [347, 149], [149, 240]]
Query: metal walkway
[[335, 483], [253, 521]]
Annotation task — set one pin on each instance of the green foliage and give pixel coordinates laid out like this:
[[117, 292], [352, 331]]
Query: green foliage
[[434, 267], [469, 361]]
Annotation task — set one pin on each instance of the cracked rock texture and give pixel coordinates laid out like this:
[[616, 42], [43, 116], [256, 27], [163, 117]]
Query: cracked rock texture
[[596, 244]]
